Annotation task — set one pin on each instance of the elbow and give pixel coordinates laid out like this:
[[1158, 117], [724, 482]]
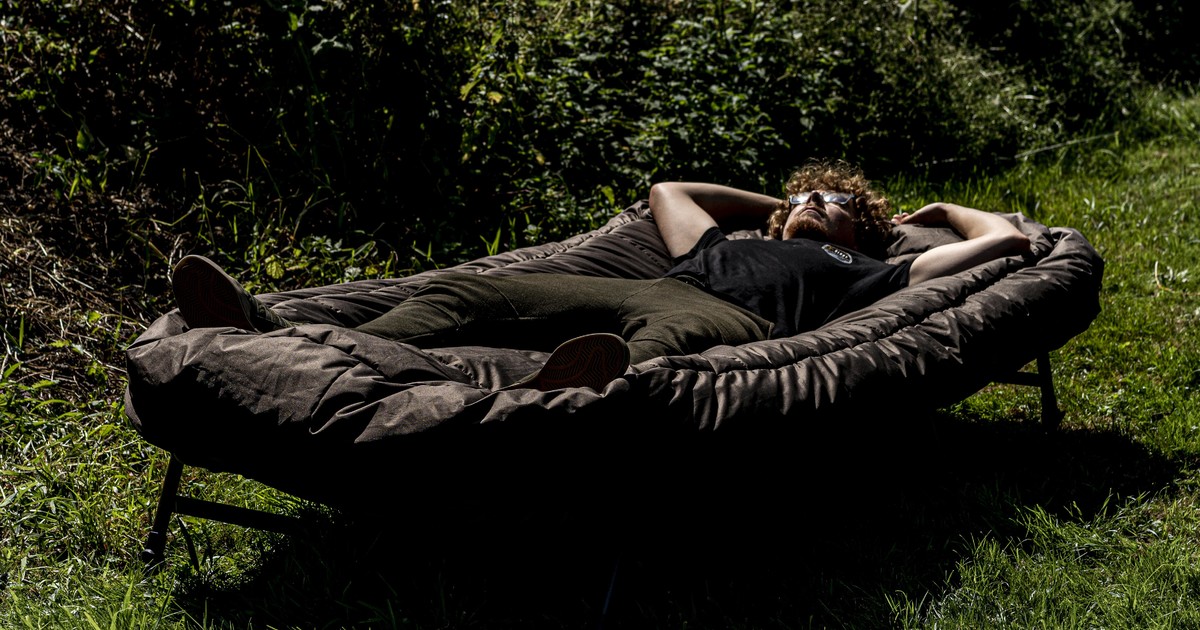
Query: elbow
[[1012, 243], [1017, 243], [656, 194], [659, 195], [660, 190]]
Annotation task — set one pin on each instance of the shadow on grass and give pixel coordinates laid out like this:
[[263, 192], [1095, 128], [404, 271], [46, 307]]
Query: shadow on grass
[[815, 531]]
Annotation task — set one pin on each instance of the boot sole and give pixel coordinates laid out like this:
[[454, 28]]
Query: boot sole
[[592, 361], [207, 296]]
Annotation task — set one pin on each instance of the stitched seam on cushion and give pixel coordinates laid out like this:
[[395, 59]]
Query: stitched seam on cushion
[[360, 360], [311, 413]]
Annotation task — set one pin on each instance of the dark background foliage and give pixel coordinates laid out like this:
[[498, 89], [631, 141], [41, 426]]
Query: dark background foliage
[[430, 124], [306, 142]]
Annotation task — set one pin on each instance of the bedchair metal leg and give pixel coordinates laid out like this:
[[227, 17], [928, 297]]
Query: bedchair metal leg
[[234, 515], [156, 542], [1043, 380], [608, 596], [170, 502], [1051, 414]]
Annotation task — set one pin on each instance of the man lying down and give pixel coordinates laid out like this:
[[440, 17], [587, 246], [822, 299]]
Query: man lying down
[[821, 260]]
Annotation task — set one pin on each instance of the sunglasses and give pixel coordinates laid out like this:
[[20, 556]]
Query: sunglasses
[[839, 198]]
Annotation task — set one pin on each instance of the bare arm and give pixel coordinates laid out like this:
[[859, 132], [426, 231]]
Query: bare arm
[[989, 237], [684, 211]]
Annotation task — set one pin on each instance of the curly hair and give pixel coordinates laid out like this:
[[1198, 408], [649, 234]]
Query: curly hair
[[872, 224]]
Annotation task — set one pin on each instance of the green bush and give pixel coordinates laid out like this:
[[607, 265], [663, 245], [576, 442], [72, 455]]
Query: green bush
[[431, 124]]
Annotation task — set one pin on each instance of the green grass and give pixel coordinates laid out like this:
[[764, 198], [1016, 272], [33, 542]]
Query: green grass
[[981, 520]]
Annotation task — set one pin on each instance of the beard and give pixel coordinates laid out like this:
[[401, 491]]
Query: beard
[[805, 225]]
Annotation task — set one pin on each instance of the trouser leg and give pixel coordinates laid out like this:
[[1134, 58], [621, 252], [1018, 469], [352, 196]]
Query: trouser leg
[[535, 311], [668, 317], [539, 311]]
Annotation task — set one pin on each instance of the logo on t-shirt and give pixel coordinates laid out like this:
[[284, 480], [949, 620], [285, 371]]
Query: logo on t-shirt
[[840, 255]]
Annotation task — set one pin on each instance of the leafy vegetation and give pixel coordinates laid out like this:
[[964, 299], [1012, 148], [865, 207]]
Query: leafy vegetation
[[304, 143], [418, 122]]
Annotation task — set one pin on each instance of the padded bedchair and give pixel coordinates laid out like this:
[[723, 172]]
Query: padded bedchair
[[332, 415]]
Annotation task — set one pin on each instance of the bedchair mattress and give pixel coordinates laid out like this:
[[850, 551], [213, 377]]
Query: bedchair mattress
[[328, 413]]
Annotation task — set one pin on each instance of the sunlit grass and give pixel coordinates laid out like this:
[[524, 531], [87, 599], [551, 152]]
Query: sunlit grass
[[983, 522], [1135, 561]]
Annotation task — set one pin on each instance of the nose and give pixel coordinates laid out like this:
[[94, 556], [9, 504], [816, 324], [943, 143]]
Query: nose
[[815, 198]]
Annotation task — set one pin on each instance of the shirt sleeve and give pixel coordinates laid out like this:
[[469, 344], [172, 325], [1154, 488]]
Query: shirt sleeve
[[710, 237]]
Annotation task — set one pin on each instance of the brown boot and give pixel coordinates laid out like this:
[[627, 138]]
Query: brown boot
[[592, 360], [209, 298]]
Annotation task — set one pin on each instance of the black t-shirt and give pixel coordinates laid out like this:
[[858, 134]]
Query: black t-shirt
[[799, 284]]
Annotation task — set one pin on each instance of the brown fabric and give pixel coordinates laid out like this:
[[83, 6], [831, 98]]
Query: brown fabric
[[316, 409]]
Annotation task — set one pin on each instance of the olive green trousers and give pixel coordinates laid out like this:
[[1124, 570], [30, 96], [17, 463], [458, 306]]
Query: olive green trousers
[[538, 311]]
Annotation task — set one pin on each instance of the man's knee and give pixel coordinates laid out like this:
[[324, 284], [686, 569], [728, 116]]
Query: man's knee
[[676, 318], [689, 332]]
